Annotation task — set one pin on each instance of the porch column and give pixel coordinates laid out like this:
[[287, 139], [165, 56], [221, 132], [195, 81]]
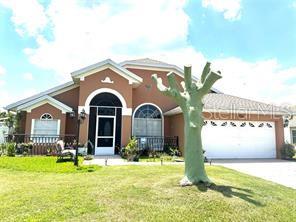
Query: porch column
[[83, 131], [126, 129]]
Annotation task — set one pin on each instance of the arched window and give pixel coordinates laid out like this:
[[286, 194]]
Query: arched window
[[46, 116], [46, 125], [147, 121]]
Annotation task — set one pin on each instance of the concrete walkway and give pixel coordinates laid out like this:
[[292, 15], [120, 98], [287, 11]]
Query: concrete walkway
[[278, 171], [116, 160]]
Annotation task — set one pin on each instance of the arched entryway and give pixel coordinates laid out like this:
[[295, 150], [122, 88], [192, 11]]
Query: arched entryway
[[104, 128]]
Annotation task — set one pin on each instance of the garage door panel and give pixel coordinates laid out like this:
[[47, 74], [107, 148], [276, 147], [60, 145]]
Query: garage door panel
[[239, 139]]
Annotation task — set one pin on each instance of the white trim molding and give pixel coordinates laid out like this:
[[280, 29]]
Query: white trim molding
[[152, 104], [32, 126], [132, 78], [44, 100], [51, 92], [125, 110]]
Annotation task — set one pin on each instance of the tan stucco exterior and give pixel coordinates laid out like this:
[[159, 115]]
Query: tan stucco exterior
[[146, 92]]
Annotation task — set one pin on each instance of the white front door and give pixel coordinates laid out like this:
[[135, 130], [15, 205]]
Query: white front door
[[105, 135]]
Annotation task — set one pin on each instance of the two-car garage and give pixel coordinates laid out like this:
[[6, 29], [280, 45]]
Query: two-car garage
[[239, 139]]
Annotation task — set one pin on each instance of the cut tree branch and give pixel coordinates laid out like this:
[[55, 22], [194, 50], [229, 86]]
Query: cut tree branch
[[162, 88], [209, 81], [205, 72], [187, 77]]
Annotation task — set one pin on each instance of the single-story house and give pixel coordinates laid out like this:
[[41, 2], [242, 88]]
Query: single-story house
[[120, 101], [290, 129]]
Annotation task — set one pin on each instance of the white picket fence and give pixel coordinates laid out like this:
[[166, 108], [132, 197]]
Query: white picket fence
[[3, 130]]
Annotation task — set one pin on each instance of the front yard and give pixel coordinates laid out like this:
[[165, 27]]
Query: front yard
[[134, 193]]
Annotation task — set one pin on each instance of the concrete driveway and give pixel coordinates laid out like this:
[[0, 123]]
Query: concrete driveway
[[278, 171]]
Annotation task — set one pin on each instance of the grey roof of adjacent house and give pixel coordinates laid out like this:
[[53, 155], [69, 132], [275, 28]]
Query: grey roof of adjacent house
[[147, 61], [218, 102]]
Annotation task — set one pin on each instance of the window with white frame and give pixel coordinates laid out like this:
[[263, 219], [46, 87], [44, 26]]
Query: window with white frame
[[293, 135], [147, 121], [45, 126]]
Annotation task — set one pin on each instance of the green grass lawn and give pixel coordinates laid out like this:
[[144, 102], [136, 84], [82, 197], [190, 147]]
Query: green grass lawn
[[136, 193]]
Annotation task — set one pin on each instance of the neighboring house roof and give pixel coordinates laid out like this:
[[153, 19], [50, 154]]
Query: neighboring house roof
[[150, 64], [43, 100], [216, 102], [51, 92], [108, 63]]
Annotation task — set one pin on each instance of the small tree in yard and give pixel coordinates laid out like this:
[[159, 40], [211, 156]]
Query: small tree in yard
[[190, 101]]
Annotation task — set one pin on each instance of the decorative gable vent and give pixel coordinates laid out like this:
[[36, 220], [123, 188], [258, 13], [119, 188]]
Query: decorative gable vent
[[107, 80]]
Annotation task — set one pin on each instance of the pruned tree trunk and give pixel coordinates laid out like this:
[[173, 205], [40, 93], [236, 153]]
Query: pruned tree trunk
[[190, 101]]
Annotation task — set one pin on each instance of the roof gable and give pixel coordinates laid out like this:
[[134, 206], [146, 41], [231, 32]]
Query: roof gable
[[108, 63], [43, 100], [51, 92]]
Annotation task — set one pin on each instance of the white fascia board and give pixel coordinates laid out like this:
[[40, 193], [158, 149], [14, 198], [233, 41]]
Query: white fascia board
[[43, 100], [108, 63], [56, 90]]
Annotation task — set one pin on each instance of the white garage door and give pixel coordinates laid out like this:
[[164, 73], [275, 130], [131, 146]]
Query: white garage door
[[239, 139]]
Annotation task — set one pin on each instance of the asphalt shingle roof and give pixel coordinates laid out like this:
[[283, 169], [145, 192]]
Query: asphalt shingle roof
[[223, 102]]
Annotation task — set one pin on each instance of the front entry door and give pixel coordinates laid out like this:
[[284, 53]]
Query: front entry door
[[105, 135]]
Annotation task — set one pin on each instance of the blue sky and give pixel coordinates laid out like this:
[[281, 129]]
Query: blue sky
[[252, 42]]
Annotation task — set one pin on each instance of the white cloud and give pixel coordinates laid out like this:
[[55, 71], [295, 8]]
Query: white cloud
[[82, 35], [293, 4], [263, 80], [28, 76], [27, 15], [231, 9], [2, 70]]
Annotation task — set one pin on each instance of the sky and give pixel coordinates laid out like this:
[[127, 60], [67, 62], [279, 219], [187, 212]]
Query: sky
[[253, 43]]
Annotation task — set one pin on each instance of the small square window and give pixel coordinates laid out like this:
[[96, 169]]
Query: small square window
[[293, 132]]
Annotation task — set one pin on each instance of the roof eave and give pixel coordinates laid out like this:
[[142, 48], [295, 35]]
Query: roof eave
[[12, 106], [108, 63]]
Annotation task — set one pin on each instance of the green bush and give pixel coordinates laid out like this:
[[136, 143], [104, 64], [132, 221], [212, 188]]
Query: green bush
[[88, 157], [174, 151], [288, 151], [2, 149], [131, 150], [10, 149]]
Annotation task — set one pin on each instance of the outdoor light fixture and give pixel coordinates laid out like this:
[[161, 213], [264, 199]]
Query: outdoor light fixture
[[81, 117], [82, 114]]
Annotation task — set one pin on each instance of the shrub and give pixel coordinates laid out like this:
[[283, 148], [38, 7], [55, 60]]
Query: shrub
[[88, 157], [174, 151], [288, 151], [131, 150], [2, 149], [10, 149]]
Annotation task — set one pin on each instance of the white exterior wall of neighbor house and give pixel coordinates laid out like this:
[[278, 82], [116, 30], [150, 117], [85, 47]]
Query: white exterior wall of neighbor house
[[3, 130], [288, 131]]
